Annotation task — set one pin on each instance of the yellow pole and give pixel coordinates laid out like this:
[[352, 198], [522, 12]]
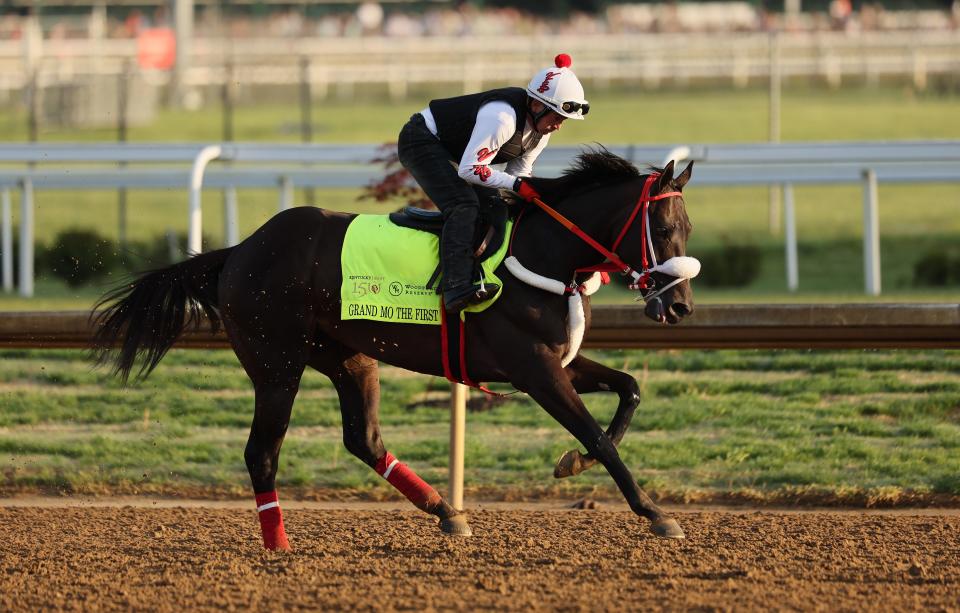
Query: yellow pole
[[458, 426]]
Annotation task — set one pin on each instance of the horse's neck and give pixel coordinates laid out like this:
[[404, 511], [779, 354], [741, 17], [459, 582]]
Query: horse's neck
[[548, 248]]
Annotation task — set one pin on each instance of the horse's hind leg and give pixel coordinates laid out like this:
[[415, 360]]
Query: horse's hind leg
[[357, 382], [262, 454], [275, 369], [589, 376]]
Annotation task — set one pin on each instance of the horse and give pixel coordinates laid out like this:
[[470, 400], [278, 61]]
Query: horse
[[276, 294]]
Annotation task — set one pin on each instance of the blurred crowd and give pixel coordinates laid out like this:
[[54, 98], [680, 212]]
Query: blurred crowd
[[390, 20]]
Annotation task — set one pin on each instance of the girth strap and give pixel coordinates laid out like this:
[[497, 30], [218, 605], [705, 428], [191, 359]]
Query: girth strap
[[453, 344]]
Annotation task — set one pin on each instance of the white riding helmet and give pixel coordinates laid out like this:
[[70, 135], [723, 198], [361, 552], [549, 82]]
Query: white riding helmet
[[559, 89]]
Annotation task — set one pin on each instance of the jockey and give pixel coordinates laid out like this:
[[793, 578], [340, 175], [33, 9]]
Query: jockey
[[449, 147]]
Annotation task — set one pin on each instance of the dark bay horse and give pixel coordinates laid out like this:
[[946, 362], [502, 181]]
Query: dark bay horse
[[277, 294]]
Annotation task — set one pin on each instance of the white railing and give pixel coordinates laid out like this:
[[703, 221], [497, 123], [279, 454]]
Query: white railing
[[641, 58], [27, 167]]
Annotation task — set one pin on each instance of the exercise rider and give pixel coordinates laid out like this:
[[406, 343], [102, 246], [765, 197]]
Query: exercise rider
[[449, 147]]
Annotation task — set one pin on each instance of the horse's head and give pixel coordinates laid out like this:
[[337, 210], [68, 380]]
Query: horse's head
[[642, 217], [658, 249]]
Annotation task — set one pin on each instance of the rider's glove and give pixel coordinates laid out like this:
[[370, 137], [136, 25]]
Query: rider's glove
[[525, 190]]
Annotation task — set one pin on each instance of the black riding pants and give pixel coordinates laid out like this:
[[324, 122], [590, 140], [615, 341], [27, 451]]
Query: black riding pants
[[435, 170]]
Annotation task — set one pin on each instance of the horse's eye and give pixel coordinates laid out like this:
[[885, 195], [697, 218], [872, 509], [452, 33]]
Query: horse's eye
[[661, 232]]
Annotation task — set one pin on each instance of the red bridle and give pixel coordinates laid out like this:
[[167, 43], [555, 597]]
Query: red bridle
[[614, 263]]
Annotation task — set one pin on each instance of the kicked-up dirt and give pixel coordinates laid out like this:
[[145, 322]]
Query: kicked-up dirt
[[176, 559]]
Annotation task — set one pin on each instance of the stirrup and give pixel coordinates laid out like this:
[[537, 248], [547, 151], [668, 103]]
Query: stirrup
[[471, 295]]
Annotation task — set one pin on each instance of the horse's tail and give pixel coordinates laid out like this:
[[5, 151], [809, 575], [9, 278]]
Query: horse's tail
[[143, 318]]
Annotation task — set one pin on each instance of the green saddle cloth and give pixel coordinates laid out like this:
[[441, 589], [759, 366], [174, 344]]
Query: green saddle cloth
[[386, 269]]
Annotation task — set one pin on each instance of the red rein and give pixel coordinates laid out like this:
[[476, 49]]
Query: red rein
[[614, 263]]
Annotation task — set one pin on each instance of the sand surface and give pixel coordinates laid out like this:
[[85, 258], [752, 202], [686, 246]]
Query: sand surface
[[176, 558]]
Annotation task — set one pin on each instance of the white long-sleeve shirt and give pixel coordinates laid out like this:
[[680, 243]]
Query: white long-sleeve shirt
[[496, 124]]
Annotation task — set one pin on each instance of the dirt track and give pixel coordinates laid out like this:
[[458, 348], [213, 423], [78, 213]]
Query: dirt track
[[210, 558]]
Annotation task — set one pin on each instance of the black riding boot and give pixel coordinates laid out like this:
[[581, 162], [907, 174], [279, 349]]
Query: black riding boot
[[456, 251]]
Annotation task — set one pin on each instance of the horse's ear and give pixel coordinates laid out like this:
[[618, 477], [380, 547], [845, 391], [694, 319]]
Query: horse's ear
[[680, 181], [665, 177]]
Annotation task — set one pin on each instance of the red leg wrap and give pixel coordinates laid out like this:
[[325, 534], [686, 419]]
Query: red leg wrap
[[410, 485], [271, 521]]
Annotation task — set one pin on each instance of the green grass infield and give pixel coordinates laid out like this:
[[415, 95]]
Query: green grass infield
[[823, 427]]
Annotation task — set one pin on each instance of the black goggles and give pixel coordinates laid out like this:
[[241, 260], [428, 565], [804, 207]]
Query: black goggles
[[573, 107]]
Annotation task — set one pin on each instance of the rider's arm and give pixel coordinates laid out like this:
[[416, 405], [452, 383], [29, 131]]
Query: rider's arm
[[496, 123], [523, 165]]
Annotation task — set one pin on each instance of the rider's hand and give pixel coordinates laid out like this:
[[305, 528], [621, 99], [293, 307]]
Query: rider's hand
[[525, 190]]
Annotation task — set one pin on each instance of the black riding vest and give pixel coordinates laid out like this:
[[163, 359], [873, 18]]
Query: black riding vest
[[457, 116]]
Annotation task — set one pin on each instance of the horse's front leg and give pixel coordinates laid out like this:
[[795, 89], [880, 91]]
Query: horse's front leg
[[553, 390], [589, 376]]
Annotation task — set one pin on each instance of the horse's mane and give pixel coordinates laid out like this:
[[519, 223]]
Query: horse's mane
[[594, 166]]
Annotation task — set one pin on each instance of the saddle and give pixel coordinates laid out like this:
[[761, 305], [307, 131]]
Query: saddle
[[488, 236]]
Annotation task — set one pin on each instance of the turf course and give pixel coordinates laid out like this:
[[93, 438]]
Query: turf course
[[768, 426]]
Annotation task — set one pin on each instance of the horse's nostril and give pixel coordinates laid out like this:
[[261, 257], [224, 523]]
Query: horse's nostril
[[680, 309], [654, 309]]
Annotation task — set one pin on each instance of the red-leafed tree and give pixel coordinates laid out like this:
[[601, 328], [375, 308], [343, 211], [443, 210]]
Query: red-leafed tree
[[396, 183]]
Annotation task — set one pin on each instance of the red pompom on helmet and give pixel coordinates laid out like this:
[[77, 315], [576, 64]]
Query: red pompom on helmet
[[563, 61]]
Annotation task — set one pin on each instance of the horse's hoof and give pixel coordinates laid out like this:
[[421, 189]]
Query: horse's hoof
[[565, 464], [667, 528], [456, 525], [571, 463]]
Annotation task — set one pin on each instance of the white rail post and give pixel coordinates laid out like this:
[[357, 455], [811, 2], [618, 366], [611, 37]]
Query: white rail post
[[26, 238], [286, 193], [919, 70], [231, 223], [397, 84], [319, 82], [790, 234], [183, 21], [195, 231], [773, 129], [458, 427], [871, 234], [6, 244]]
